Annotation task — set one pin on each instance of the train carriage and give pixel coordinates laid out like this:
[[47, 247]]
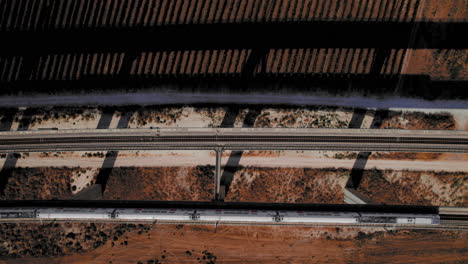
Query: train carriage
[[216, 215], [74, 213], [155, 214]]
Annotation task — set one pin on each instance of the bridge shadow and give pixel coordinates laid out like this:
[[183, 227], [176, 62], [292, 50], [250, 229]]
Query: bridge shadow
[[111, 156], [106, 169], [364, 55], [329, 34], [175, 48], [66, 14], [27, 118], [97, 190], [12, 158], [124, 120], [418, 86], [6, 122], [230, 116], [7, 170], [232, 164], [359, 165], [106, 118], [357, 118]]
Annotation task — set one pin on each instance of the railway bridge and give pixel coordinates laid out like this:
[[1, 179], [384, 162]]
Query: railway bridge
[[237, 139]]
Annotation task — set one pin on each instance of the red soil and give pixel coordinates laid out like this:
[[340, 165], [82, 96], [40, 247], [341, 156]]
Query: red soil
[[263, 244]]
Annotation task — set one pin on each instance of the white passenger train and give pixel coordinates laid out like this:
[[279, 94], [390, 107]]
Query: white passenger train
[[214, 216]]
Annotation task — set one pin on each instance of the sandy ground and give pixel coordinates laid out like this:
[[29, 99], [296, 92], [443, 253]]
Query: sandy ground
[[75, 123], [288, 185], [460, 115], [286, 159], [439, 64], [285, 116], [271, 244], [183, 117], [191, 117], [415, 187], [254, 184], [443, 10], [83, 178]]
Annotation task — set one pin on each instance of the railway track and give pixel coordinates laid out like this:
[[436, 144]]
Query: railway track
[[227, 139], [454, 216], [212, 139], [216, 213]]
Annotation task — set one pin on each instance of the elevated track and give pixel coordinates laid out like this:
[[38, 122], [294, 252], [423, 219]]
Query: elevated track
[[221, 139], [235, 139]]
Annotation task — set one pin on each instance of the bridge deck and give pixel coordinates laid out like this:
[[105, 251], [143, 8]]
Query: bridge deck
[[235, 139]]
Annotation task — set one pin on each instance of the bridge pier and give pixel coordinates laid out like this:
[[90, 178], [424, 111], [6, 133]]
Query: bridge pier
[[218, 193]]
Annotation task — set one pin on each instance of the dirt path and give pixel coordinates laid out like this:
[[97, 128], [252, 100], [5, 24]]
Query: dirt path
[[288, 159]]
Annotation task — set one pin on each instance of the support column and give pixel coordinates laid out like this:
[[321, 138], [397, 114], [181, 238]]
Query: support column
[[217, 194]]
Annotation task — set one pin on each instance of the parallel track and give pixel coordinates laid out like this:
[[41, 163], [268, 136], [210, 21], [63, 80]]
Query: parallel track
[[227, 139], [193, 140]]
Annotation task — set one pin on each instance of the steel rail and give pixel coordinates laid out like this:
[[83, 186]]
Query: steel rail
[[235, 139]]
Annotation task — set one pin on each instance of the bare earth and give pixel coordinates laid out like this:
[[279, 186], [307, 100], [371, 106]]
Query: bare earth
[[249, 184], [269, 159], [260, 244]]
